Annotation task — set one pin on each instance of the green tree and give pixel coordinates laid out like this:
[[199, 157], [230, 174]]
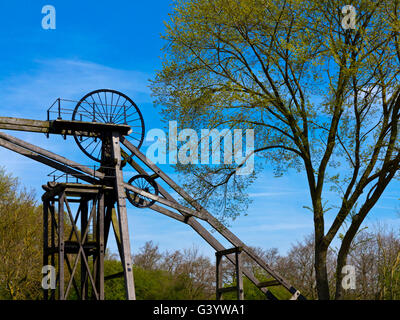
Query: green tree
[[183, 274], [251, 292], [321, 98], [20, 241], [376, 257], [388, 265], [162, 276]]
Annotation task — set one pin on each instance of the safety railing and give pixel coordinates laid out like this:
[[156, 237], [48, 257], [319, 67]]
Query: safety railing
[[65, 109], [62, 177]]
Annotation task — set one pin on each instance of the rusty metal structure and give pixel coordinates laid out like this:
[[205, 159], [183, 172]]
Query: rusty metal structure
[[109, 128]]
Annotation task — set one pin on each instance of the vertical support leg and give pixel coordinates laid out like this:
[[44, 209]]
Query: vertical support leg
[[84, 276], [239, 275], [100, 249], [52, 242], [123, 219], [218, 283], [238, 270], [45, 242], [95, 253], [61, 245]]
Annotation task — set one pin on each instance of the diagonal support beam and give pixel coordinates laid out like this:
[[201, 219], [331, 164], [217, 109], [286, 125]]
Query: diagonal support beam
[[166, 202], [196, 226], [46, 161], [210, 218], [13, 141]]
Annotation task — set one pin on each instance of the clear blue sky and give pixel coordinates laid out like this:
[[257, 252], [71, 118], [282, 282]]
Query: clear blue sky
[[116, 44]]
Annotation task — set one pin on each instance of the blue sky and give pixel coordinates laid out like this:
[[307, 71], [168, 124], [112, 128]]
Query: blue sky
[[116, 44]]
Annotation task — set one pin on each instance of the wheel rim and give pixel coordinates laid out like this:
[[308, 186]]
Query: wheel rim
[[107, 106], [145, 183]]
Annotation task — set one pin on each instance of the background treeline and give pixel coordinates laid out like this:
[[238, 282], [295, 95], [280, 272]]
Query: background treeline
[[186, 274]]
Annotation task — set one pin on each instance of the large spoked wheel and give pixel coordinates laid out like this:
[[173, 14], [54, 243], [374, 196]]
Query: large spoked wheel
[[145, 183], [107, 106]]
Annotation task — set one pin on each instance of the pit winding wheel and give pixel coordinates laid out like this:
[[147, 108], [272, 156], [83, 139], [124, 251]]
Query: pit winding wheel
[[114, 107]]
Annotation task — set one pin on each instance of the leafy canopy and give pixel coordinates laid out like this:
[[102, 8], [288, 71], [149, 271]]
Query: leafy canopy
[[319, 97]]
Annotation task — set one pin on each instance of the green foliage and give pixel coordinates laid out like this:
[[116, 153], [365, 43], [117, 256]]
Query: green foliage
[[20, 241], [114, 289], [150, 284], [159, 284], [286, 69], [251, 292]]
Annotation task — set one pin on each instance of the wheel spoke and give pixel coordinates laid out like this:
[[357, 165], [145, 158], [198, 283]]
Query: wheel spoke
[[94, 149], [102, 106], [95, 106], [105, 98], [106, 108], [120, 113], [116, 106], [93, 140], [112, 111]]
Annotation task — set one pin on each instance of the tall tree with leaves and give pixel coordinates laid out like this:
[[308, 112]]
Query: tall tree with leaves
[[321, 97]]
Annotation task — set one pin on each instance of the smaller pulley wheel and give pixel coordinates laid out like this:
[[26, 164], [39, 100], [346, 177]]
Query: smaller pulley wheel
[[146, 183]]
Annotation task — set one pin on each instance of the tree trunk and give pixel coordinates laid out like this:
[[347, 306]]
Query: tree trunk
[[321, 250], [321, 274], [341, 262], [343, 253]]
